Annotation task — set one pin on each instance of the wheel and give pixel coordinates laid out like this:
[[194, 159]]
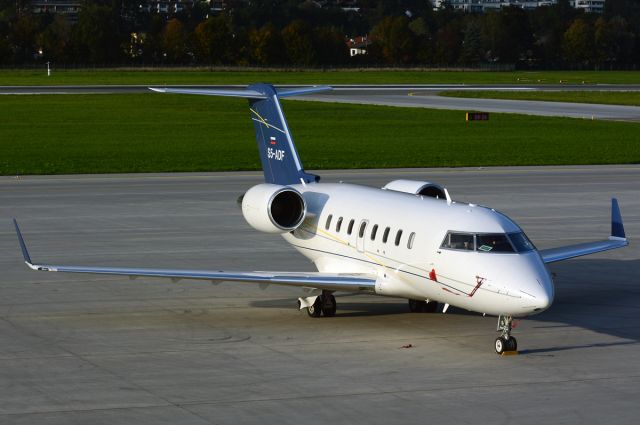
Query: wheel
[[329, 307], [416, 306], [315, 309], [512, 344], [431, 307], [500, 345]]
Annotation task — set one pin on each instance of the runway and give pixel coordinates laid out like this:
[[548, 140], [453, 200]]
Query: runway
[[92, 349], [420, 96]]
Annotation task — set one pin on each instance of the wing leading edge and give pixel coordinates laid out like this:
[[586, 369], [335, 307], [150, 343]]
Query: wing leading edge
[[327, 281], [617, 239]]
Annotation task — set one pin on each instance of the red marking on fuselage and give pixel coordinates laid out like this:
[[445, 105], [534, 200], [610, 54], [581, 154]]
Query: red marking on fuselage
[[448, 290], [479, 281], [432, 275]]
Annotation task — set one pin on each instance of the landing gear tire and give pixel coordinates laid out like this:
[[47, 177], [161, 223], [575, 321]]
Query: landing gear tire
[[329, 306], [315, 309], [512, 344], [501, 345]]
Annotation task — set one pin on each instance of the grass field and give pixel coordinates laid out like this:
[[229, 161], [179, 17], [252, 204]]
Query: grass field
[[607, 98], [188, 76], [154, 132]]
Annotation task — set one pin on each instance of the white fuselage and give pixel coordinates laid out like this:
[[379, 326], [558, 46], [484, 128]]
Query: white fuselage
[[412, 264]]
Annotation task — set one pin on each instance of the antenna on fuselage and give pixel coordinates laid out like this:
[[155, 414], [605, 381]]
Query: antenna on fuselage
[[446, 193]]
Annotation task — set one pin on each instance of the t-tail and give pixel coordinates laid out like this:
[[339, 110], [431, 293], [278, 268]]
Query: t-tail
[[280, 160]]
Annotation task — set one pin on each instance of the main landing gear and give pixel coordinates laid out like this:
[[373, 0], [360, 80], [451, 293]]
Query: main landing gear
[[505, 343], [416, 306], [323, 305]]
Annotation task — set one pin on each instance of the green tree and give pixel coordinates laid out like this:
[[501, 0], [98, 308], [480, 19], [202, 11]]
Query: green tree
[[97, 35], [330, 46], [472, 51], [56, 41]]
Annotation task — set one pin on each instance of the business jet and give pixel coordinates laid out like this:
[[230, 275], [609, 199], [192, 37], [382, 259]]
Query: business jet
[[407, 240]]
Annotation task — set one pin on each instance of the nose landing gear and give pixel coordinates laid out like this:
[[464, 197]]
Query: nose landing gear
[[505, 343]]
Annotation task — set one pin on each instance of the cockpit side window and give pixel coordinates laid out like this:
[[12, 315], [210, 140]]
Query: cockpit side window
[[461, 241], [494, 242], [521, 242]]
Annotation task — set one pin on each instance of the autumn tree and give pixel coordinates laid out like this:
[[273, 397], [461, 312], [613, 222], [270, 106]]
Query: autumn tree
[[298, 43], [214, 41], [578, 42], [395, 40], [266, 46], [174, 41]]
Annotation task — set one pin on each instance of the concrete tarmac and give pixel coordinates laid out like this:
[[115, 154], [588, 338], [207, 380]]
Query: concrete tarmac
[[86, 349]]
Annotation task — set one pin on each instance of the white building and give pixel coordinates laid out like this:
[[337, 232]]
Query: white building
[[596, 6]]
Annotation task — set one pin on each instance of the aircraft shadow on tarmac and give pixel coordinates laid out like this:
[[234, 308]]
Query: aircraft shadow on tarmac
[[598, 295]]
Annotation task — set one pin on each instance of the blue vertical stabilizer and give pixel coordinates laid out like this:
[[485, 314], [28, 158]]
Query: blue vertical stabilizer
[[280, 161]]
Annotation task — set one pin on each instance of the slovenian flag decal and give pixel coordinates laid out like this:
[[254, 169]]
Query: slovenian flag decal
[[272, 140]]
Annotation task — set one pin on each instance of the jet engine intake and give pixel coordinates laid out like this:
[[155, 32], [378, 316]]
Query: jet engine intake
[[272, 208]]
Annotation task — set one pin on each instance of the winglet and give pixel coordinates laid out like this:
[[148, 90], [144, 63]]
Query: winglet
[[23, 246], [617, 228]]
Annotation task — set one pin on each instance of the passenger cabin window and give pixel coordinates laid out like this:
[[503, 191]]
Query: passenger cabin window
[[461, 241], [350, 228], [328, 223], [374, 230], [410, 241], [385, 236], [339, 224], [494, 242], [398, 237], [363, 226]]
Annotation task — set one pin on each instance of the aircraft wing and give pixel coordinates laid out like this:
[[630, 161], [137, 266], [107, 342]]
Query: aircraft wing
[[616, 240], [332, 282]]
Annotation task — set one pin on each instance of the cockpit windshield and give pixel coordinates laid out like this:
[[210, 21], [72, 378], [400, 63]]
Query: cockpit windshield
[[493, 242], [488, 242]]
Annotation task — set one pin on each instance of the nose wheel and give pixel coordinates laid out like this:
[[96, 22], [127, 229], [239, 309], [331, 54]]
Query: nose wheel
[[505, 343]]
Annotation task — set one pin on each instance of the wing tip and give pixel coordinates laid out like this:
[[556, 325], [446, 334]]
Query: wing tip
[[617, 226], [23, 245]]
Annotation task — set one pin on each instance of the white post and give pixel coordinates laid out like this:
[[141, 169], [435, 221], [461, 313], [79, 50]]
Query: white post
[[48, 70]]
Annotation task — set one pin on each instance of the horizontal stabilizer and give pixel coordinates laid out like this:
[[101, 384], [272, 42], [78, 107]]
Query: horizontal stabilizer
[[245, 93], [301, 91]]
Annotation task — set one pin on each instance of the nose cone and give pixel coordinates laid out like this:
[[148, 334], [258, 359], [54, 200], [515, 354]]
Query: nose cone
[[539, 293]]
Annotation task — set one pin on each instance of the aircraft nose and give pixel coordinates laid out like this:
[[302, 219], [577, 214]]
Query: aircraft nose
[[543, 293]]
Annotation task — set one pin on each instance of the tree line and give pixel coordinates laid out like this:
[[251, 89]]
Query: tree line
[[300, 33]]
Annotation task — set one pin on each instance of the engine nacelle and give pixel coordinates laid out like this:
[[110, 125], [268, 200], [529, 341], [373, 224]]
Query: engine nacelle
[[415, 187], [272, 208]]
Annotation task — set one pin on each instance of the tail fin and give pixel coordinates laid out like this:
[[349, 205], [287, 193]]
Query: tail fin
[[280, 161]]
